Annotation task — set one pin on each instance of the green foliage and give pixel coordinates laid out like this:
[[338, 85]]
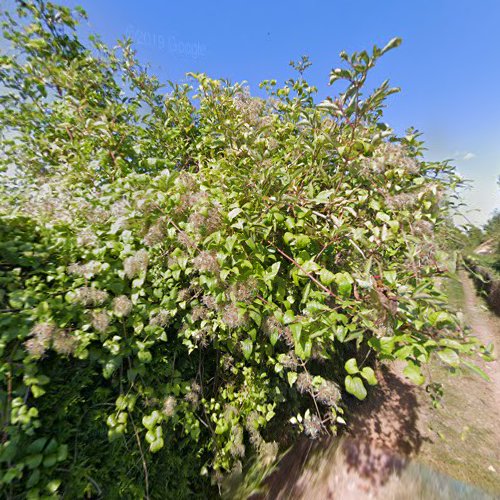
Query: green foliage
[[188, 278]]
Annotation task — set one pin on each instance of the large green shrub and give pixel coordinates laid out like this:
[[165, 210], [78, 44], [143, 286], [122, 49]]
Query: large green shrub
[[199, 275]]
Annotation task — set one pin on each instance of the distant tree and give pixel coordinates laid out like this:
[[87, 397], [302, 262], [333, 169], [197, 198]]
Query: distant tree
[[492, 226]]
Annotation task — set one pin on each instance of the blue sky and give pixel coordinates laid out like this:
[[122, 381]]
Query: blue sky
[[448, 66]]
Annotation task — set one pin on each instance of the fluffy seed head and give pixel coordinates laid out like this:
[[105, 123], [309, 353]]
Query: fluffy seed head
[[187, 181], [207, 222], [268, 452], [43, 331], [100, 320], [227, 362], [87, 270], [230, 412], [155, 234], [64, 343], [422, 227], [193, 395], [161, 318], [184, 294], [232, 317], [185, 240], [35, 347], [252, 421], [87, 238], [89, 296], [389, 155], [122, 305], [312, 427], [209, 301], [401, 201], [255, 438], [328, 393], [243, 291], [237, 449], [41, 335], [120, 208], [206, 261], [271, 325], [201, 337], [289, 361], [168, 408], [288, 337], [136, 264], [304, 382], [199, 313]]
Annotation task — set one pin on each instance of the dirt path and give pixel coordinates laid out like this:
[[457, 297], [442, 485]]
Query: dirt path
[[486, 328], [464, 434], [400, 447]]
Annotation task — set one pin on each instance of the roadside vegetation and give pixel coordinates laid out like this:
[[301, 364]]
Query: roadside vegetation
[[192, 277]]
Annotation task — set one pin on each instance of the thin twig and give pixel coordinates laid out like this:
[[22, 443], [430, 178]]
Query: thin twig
[[309, 275], [144, 465]]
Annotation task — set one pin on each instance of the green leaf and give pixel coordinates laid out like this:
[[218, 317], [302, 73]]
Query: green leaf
[[393, 43], [302, 240], [8, 452], [149, 421], [274, 337], [234, 213], [50, 460], [324, 196], [303, 347], [272, 272], [292, 377], [383, 217], [33, 479], [14, 473], [369, 375], [351, 366], [37, 391], [296, 329], [33, 461], [53, 486], [156, 445], [37, 445], [145, 356], [247, 348], [344, 284], [150, 437], [412, 371], [288, 317], [440, 319], [355, 386], [326, 277], [230, 242], [450, 357], [476, 370], [62, 453]]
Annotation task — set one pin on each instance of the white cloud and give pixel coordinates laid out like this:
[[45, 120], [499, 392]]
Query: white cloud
[[468, 156]]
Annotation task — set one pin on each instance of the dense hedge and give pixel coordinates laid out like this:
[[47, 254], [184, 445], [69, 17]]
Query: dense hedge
[[192, 278]]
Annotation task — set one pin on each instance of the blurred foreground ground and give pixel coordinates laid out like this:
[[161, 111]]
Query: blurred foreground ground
[[400, 447]]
